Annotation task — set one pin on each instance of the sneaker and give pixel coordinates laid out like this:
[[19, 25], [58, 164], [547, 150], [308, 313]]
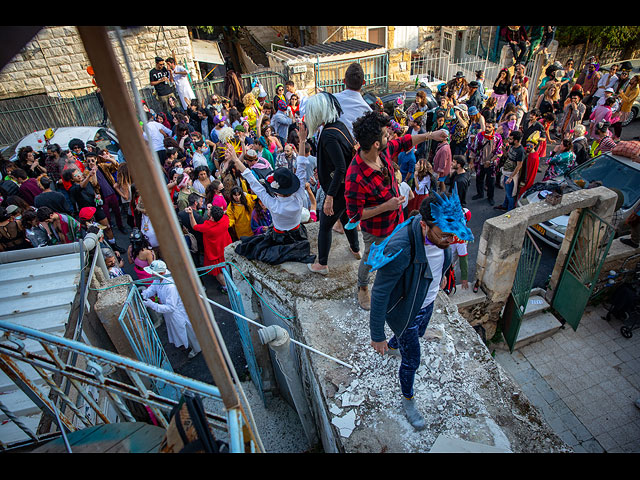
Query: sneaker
[[413, 415], [192, 354], [317, 268], [631, 243], [500, 207], [364, 299]]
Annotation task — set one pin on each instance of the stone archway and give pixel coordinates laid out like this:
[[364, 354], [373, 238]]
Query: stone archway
[[500, 245]]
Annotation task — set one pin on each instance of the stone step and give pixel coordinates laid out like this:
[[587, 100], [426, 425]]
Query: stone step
[[464, 298], [535, 328], [535, 305]]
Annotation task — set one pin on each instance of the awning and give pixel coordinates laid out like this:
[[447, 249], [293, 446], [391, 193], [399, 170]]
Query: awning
[[207, 51]]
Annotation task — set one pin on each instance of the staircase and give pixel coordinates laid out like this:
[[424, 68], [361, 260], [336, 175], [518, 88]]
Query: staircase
[[538, 322]]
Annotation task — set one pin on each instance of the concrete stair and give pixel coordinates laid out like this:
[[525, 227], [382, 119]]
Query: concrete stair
[[537, 323]]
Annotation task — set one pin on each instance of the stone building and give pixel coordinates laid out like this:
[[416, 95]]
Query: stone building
[[54, 62]]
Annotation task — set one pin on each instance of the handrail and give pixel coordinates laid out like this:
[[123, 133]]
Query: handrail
[[98, 362]]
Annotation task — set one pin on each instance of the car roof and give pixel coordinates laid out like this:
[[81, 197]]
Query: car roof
[[61, 136]]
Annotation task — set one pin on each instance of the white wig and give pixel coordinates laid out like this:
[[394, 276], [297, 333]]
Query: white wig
[[321, 108], [225, 134]]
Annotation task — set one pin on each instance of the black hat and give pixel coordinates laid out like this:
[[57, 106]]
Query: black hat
[[459, 75], [474, 84], [282, 181], [626, 66]]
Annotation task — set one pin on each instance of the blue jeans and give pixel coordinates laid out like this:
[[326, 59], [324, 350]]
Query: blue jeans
[[509, 199], [409, 345]]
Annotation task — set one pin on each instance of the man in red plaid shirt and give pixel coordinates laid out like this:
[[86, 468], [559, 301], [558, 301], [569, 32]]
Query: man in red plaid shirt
[[371, 191]]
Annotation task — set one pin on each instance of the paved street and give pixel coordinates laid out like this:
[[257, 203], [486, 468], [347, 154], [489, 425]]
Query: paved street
[[584, 383]]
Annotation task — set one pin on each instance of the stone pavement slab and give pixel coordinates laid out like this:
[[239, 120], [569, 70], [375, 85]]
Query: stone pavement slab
[[584, 383]]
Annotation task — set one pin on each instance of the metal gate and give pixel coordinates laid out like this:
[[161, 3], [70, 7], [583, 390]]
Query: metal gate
[[235, 299], [587, 254], [144, 340], [330, 75], [518, 300]]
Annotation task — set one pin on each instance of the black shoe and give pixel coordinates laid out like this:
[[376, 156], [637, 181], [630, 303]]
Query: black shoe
[[500, 207], [222, 289], [628, 241], [477, 197], [491, 202]]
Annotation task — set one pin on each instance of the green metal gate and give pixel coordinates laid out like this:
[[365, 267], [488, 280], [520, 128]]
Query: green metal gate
[[587, 254], [330, 75], [518, 300]]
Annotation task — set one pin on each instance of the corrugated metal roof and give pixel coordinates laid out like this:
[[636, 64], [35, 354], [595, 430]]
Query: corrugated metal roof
[[334, 48], [37, 293]]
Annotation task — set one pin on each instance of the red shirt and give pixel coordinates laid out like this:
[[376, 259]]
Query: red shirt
[[366, 187]]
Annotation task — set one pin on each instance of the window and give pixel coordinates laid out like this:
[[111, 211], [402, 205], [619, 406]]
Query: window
[[378, 35]]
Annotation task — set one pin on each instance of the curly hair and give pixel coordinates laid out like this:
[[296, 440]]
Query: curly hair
[[368, 128]]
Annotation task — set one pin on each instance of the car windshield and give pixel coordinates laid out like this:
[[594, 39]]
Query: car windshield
[[105, 141], [612, 173]]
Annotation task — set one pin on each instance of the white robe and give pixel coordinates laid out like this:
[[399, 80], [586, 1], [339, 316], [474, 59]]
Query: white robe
[[183, 87], [179, 327]]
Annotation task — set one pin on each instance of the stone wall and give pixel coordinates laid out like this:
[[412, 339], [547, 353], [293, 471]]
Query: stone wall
[[55, 62]]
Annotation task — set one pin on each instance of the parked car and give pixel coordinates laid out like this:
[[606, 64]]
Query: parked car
[[635, 109], [615, 172], [389, 102], [104, 137]]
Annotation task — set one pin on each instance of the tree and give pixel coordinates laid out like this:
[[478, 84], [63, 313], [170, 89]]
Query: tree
[[614, 37]]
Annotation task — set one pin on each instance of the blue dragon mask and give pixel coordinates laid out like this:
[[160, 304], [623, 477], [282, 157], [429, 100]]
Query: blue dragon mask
[[447, 214]]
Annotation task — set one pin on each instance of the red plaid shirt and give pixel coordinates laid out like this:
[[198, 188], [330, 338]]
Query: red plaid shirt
[[366, 187]]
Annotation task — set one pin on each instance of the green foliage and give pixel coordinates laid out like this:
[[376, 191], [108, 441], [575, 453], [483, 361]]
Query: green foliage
[[604, 36]]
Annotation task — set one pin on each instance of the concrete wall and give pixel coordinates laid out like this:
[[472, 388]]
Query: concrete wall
[[55, 62], [460, 389]]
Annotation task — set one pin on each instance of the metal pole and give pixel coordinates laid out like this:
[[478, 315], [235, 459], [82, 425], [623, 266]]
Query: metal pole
[[146, 172]]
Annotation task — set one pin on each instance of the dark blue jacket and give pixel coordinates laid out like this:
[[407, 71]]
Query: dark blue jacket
[[401, 285]]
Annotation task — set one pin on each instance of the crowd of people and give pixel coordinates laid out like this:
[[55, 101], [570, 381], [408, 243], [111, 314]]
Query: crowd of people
[[255, 169]]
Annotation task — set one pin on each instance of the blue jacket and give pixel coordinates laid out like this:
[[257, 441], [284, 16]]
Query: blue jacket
[[401, 285]]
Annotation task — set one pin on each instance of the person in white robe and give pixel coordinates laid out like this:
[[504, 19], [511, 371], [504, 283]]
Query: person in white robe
[[179, 328]]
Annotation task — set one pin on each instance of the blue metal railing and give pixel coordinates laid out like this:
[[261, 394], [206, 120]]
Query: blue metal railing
[[98, 368]]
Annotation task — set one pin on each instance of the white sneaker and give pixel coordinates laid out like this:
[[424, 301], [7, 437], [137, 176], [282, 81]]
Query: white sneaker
[[192, 354]]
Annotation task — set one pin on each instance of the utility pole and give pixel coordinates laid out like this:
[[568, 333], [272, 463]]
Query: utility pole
[[149, 181]]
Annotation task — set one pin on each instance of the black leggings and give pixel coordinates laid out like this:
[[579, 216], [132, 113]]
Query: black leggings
[[326, 228]]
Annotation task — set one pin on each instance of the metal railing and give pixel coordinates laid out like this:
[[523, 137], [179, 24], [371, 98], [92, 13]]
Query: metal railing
[[102, 370]]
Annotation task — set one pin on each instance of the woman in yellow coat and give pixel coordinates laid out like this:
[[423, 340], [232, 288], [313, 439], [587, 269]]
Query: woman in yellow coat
[[252, 110], [239, 212]]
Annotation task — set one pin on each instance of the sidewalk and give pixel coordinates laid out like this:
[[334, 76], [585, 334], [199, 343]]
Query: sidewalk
[[584, 383]]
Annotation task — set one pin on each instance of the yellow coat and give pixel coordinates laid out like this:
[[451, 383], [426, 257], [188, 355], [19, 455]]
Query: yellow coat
[[628, 97], [240, 218]]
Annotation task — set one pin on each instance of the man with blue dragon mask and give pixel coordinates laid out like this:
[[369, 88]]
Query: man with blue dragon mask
[[410, 266]]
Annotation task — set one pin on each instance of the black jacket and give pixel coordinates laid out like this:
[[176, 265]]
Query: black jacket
[[334, 153]]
